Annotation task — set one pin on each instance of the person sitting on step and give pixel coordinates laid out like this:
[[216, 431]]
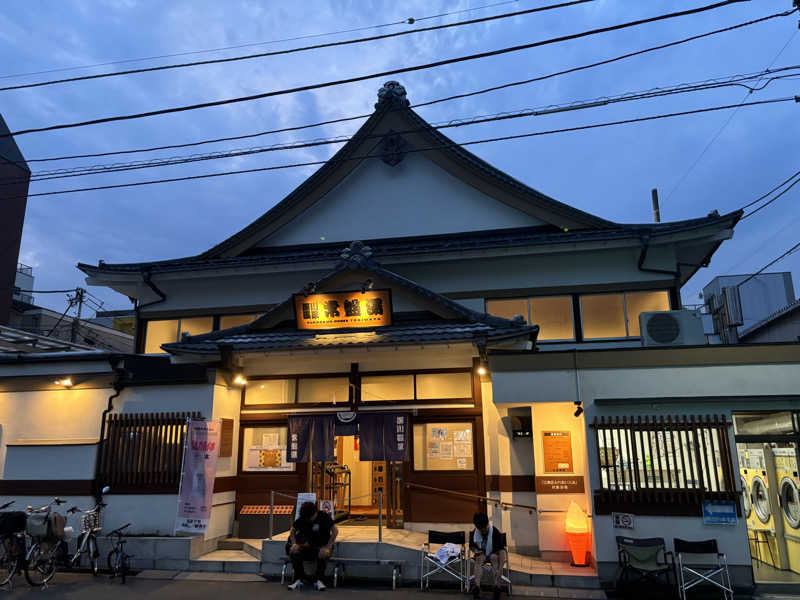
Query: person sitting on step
[[311, 539], [486, 544]]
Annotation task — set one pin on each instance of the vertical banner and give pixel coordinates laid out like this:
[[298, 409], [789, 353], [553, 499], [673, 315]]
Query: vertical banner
[[200, 453]]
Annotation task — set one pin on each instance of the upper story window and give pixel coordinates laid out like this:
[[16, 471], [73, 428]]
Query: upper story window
[[228, 321], [553, 314], [166, 331], [610, 316]]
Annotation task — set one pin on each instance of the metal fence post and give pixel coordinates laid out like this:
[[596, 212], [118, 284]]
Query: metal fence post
[[380, 515], [271, 513]]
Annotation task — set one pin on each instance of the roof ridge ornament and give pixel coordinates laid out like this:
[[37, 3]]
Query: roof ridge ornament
[[392, 94], [357, 255]]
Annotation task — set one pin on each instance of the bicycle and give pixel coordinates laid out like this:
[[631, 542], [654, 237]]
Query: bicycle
[[12, 545], [40, 560], [87, 539], [118, 560]]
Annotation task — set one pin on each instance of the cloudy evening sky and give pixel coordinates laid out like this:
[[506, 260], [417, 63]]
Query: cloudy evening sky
[[608, 171]]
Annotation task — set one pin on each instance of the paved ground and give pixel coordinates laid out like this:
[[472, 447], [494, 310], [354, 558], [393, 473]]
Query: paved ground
[[199, 586]]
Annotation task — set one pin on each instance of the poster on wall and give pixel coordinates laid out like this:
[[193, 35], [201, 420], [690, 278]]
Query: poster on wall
[[557, 451], [260, 458], [200, 452], [301, 498]]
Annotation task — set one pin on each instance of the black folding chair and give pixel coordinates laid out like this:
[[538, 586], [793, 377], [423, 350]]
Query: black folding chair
[[702, 562], [454, 566], [643, 560]]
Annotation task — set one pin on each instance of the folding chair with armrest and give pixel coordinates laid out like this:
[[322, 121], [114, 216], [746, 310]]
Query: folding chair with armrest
[[647, 558], [454, 566], [702, 562], [505, 568]]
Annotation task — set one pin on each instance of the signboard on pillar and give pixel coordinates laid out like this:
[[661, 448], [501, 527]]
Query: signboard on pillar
[[338, 310], [557, 451]]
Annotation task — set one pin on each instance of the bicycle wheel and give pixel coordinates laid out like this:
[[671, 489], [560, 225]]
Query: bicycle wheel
[[41, 565], [113, 562], [93, 555], [8, 560]]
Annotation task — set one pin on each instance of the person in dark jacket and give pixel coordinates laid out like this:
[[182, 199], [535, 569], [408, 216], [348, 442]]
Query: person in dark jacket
[[486, 544], [311, 539]]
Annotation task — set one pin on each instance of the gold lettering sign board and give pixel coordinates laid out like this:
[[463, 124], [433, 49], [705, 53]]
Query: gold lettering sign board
[[337, 310]]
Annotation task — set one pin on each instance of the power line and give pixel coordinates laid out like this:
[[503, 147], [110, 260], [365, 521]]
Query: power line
[[733, 80], [48, 291], [381, 74], [422, 104], [768, 202], [769, 264], [469, 143], [362, 40], [408, 21], [777, 187], [724, 126]]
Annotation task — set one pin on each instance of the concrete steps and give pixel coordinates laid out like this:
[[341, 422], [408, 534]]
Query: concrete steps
[[226, 561]]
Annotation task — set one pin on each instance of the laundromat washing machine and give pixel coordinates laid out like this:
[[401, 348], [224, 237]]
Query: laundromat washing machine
[[761, 523], [789, 496], [745, 475]]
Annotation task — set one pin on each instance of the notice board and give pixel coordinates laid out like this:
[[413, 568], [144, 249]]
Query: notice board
[[557, 451]]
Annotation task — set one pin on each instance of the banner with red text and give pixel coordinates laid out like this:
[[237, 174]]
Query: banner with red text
[[200, 453]]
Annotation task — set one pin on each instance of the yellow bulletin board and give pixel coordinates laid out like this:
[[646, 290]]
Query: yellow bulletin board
[[557, 451]]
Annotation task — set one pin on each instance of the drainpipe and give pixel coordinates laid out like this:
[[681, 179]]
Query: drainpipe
[[147, 278], [119, 384]]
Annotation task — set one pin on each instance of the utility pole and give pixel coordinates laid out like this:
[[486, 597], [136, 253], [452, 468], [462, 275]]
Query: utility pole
[[79, 297]]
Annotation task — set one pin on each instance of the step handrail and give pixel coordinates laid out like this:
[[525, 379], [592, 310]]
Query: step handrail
[[495, 501]]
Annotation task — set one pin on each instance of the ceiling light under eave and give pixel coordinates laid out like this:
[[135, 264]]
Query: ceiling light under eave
[[66, 382], [240, 379]]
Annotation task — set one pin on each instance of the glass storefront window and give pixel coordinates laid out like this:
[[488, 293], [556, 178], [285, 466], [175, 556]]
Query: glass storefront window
[[323, 390], [160, 332], [265, 449], [387, 387], [508, 309], [228, 321], [553, 315], [603, 316], [269, 391], [443, 447], [441, 386], [639, 302], [196, 326]]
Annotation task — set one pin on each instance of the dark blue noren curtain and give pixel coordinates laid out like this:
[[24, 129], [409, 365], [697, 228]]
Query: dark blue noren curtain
[[383, 436], [310, 432]]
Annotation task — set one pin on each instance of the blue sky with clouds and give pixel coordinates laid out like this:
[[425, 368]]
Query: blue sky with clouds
[[607, 171]]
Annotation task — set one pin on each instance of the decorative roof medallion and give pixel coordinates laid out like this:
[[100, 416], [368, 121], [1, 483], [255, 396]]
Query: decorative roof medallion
[[393, 148], [357, 255]]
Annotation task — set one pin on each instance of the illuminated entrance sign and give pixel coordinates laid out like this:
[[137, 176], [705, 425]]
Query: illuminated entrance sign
[[336, 310]]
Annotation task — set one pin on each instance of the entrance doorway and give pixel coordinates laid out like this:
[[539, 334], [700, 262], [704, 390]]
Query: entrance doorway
[[767, 445], [362, 490]]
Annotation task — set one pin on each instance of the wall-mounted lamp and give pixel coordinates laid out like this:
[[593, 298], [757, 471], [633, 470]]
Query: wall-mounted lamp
[[240, 379], [578, 408], [482, 370], [367, 285], [66, 382]]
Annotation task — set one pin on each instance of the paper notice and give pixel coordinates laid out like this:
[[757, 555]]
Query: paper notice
[[463, 435], [253, 458], [270, 440], [433, 449], [438, 433], [462, 450], [446, 450], [461, 463]]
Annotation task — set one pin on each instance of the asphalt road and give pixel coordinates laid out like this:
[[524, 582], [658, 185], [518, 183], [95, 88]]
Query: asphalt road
[[85, 587]]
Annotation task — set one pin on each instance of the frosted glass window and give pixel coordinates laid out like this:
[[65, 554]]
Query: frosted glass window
[[270, 391], [228, 321], [265, 449], [508, 309], [639, 302], [323, 389], [443, 447], [196, 325], [553, 315], [388, 387], [437, 386], [159, 332], [603, 316]]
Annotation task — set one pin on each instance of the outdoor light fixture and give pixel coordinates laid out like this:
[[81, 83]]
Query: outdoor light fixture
[[481, 370], [483, 367], [66, 382], [367, 285], [240, 379], [578, 408]]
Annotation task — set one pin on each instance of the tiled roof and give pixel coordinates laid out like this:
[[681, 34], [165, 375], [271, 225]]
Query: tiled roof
[[474, 240], [442, 331]]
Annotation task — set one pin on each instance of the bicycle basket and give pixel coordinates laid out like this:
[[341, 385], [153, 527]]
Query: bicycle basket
[[12, 522], [91, 521], [56, 524], [36, 525]]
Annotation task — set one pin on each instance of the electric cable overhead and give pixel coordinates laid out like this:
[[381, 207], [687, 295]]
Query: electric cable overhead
[[413, 150], [733, 80], [769, 264], [408, 21], [362, 40], [774, 198], [422, 104], [358, 78]]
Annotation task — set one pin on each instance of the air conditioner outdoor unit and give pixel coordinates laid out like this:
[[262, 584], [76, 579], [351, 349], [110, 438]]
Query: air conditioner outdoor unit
[[671, 328]]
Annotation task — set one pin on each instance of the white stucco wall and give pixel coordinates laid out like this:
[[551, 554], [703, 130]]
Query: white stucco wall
[[415, 197]]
